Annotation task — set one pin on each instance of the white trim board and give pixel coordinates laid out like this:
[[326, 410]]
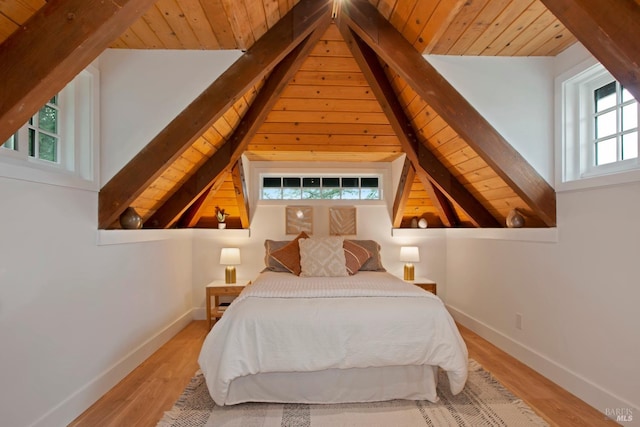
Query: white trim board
[[76, 403], [583, 388]]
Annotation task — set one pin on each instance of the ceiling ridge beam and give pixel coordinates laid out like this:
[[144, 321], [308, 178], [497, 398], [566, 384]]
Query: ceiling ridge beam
[[609, 29], [365, 21], [232, 149], [34, 69], [423, 161], [209, 106]]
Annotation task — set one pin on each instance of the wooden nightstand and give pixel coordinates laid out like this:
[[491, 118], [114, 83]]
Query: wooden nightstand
[[426, 284], [219, 288]]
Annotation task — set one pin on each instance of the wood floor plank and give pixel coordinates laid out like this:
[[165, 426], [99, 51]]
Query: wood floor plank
[[143, 396]]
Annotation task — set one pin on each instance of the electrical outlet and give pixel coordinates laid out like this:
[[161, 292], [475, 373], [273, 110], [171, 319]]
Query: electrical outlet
[[519, 321]]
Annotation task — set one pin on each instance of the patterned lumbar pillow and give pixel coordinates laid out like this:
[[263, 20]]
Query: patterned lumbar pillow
[[289, 255], [355, 256], [322, 257]]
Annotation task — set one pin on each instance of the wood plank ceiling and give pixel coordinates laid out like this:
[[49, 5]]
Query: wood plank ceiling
[[331, 92]]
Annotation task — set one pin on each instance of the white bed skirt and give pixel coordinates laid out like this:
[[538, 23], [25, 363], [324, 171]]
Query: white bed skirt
[[337, 385]]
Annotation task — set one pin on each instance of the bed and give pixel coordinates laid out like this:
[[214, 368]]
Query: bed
[[324, 339]]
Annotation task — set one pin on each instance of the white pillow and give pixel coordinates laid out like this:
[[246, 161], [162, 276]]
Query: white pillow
[[323, 257]]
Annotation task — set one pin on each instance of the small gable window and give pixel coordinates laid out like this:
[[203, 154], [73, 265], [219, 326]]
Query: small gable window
[[59, 144], [599, 129]]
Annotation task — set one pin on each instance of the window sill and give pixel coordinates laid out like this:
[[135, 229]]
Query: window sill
[[599, 181], [120, 237]]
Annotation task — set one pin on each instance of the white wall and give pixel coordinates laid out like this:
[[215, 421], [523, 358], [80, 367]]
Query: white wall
[[578, 296], [514, 94], [76, 317], [145, 90], [70, 311]]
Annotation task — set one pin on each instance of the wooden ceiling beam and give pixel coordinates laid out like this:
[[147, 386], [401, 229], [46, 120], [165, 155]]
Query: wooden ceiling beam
[[189, 192], [609, 29], [52, 47], [424, 79], [423, 161], [192, 215], [240, 188], [442, 204], [402, 193], [208, 107]]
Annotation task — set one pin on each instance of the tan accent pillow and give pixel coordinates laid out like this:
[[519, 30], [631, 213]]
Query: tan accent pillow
[[355, 256], [375, 262], [289, 254], [272, 246], [322, 257]]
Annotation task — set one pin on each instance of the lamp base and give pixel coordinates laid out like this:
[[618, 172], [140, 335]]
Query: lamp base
[[230, 275], [409, 273]]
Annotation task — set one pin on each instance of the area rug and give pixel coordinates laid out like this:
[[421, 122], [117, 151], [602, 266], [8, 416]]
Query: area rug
[[483, 402]]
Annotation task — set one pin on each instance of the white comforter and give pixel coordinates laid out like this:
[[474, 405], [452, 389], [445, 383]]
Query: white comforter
[[286, 323]]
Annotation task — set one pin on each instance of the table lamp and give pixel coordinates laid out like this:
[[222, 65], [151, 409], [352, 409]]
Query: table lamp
[[230, 257], [409, 254]]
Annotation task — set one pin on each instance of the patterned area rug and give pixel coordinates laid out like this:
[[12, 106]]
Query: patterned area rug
[[483, 402]]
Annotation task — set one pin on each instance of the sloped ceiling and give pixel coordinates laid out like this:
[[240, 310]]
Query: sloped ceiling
[[320, 81]]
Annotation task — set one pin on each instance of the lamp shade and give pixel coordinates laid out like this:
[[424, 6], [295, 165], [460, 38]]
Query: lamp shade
[[230, 256], [409, 254]]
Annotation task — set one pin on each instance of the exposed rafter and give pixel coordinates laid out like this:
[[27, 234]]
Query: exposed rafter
[[397, 53], [240, 188], [425, 163], [402, 193], [610, 29], [180, 133], [50, 49]]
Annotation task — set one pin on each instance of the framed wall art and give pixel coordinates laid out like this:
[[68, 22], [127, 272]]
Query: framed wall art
[[298, 219], [342, 221]]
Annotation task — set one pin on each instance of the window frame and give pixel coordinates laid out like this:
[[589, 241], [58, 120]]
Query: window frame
[[304, 182], [77, 165], [575, 151]]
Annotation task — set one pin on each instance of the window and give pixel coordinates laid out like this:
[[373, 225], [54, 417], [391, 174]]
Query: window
[[321, 188], [40, 135], [615, 124], [58, 145], [599, 126]]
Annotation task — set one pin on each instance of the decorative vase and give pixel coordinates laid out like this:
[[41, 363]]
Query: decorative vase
[[222, 225], [515, 219], [422, 223], [414, 222], [130, 220]]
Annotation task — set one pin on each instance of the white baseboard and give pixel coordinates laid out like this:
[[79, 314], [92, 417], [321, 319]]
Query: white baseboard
[[200, 313], [75, 404], [579, 386]]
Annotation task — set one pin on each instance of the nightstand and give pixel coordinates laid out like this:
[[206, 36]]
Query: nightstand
[[219, 288], [424, 283]]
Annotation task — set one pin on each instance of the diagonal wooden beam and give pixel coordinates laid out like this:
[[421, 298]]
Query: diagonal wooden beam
[[209, 106], [52, 47], [610, 30], [402, 193], [240, 188], [169, 212], [426, 164], [425, 80], [192, 215], [191, 190], [443, 205]]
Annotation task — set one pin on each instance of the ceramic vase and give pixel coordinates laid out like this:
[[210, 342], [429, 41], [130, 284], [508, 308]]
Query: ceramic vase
[[130, 220]]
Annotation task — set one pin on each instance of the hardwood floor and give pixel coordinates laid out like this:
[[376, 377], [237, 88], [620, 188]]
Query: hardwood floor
[[151, 389]]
